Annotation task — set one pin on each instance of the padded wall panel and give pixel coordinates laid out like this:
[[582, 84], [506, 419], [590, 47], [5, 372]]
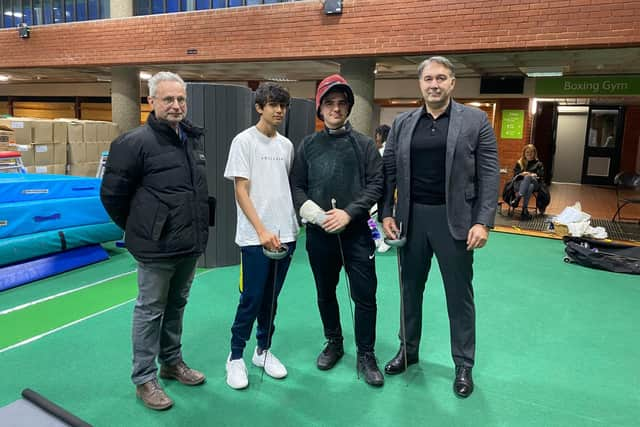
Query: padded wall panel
[[301, 120]]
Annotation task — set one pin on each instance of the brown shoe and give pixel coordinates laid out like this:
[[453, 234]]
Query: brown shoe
[[182, 373], [153, 396]]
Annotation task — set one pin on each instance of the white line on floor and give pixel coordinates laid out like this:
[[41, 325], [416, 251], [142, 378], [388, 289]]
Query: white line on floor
[[37, 337], [29, 304]]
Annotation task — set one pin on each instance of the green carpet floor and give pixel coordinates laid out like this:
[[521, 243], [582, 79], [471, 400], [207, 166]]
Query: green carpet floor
[[557, 346]]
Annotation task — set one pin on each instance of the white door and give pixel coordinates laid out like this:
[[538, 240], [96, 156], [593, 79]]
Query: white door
[[570, 137]]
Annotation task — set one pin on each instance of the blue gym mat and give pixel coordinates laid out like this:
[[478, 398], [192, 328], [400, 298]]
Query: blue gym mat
[[16, 187], [17, 219], [49, 265], [20, 248]]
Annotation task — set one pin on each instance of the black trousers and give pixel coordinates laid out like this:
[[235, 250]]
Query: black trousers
[[429, 234], [326, 263]]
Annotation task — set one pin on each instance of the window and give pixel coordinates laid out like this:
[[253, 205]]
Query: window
[[602, 128], [81, 10], [58, 11]]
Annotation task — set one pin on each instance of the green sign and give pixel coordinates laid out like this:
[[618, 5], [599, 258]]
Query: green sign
[[512, 124], [588, 86]]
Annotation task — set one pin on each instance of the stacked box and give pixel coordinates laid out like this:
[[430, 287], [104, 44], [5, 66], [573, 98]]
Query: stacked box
[[7, 136], [58, 146], [86, 140], [34, 140]]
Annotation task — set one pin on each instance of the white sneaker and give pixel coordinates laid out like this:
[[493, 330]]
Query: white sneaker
[[383, 247], [272, 366], [237, 373]]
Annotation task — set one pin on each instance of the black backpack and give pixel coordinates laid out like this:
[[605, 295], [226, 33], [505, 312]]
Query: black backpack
[[616, 257]]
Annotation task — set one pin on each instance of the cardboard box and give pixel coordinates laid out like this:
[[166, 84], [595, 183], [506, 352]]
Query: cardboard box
[[43, 154], [103, 131], [22, 129], [90, 131], [48, 169], [50, 154], [75, 131], [60, 129], [93, 151], [42, 131], [60, 154], [77, 153], [7, 135], [84, 169], [27, 153]]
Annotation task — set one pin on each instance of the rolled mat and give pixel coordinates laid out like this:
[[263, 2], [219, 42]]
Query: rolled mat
[[53, 409]]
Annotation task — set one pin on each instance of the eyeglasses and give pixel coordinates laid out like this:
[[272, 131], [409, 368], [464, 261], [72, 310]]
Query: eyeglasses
[[169, 100]]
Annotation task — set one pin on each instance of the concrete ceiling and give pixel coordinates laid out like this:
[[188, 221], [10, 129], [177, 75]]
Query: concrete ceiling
[[571, 62]]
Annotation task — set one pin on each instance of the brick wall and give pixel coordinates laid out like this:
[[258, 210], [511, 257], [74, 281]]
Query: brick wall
[[631, 140], [301, 31]]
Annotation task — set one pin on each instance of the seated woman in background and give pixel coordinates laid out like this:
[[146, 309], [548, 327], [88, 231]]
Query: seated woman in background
[[527, 178]]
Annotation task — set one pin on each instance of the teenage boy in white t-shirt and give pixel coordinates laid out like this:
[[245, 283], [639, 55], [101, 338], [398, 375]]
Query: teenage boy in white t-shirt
[[259, 163]]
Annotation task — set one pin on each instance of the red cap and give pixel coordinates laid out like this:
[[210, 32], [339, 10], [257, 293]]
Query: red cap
[[333, 82]]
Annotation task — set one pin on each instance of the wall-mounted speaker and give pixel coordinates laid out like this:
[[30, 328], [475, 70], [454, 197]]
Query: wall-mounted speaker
[[332, 7], [502, 84]]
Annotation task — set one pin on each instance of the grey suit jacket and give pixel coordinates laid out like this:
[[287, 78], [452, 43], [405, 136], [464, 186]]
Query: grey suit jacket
[[472, 171]]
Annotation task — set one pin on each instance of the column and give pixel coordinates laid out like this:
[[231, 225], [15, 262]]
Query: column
[[125, 81], [125, 97], [359, 74], [121, 8]]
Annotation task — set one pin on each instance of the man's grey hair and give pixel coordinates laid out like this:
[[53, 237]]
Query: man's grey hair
[[438, 60], [164, 76]]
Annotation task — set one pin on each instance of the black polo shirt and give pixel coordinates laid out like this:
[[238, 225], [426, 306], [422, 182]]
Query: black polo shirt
[[428, 153]]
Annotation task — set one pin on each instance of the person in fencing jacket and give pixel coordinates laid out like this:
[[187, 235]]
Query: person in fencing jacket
[[336, 179]]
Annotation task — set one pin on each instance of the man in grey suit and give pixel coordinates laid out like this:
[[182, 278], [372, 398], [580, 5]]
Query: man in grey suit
[[441, 192]]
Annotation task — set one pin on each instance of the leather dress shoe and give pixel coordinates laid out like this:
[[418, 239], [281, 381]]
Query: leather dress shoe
[[368, 367], [182, 373], [463, 384], [397, 365], [153, 396]]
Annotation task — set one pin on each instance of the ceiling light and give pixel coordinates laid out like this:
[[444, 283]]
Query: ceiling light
[[555, 71], [280, 79], [4, 78], [144, 75]]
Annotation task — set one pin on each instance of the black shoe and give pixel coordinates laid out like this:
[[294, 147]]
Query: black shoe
[[515, 202], [526, 216], [396, 365], [368, 367], [463, 384], [332, 352]]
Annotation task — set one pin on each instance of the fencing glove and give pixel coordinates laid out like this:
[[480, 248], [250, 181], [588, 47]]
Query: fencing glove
[[312, 213]]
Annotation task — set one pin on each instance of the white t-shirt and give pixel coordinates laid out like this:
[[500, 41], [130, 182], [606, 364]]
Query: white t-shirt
[[266, 163]]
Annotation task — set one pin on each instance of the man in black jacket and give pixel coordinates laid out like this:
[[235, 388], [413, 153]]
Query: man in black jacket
[[155, 188], [336, 178]]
